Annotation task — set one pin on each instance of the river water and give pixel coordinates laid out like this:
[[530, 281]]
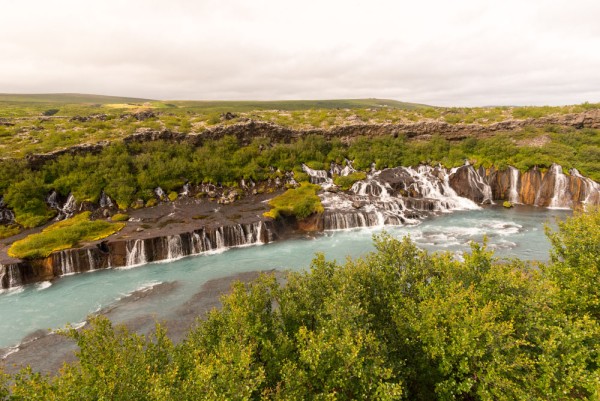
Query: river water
[[517, 232]]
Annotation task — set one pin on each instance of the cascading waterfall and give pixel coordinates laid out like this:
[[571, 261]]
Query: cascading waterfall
[[105, 200], [66, 262], [513, 193], [318, 176], [591, 188], [158, 191], [559, 200], [12, 274], [91, 260], [174, 247], [136, 253], [391, 197], [219, 238]]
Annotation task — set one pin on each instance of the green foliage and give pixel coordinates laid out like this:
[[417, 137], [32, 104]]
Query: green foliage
[[9, 231], [575, 266], [119, 217], [172, 196], [346, 182], [62, 235], [300, 202]]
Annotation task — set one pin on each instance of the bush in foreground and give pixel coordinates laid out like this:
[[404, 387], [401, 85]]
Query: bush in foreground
[[399, 323]]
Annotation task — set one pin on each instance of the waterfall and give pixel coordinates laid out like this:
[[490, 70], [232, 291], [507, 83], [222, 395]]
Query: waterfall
[[160, 193], [395, 196], [66, 262], [317, 176], [186, 189], [136, 253], [11, 276], [69, 207], [434, 183], [105, 200], [560, 198], [513, 193], [174, 247], [91, 260], [51, 200], [591, 188], [219, 238]]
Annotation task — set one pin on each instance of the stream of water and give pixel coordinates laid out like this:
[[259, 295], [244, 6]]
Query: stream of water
[[517, 232]]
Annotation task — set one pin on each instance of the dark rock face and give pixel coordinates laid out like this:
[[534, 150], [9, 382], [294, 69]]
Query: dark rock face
[[469, 184]]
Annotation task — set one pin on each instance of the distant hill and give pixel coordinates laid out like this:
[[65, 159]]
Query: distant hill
[[67, 98]]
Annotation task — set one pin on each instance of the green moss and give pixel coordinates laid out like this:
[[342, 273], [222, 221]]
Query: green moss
[[120, 217], [151, 202], [507, 204], [172, 196], [300, 202], [346, 182], [9, 231], [63, 235]]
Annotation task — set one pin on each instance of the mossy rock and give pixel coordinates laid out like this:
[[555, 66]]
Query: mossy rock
[[507, 204]]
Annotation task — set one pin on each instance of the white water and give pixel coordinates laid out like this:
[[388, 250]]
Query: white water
[[513, 193], [517, 232], [560, 199], [136, 253]]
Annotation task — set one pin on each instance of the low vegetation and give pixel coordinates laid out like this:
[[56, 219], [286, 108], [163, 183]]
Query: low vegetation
[[62, 235], [299, 202], [399, 323], [346, 182], [119, 217]]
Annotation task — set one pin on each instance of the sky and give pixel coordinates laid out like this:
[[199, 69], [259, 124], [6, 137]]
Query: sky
[[438, 52]]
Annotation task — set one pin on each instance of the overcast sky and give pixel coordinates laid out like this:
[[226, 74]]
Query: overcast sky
[[440, 52]]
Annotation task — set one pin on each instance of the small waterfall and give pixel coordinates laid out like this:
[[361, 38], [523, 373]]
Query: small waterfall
[[560, 198], [10, 276], [52, 200], [317, 176], [91, 260], [66, 262], [186, 189], [513, 193], [591, 190], [174, 247], [136, 253], [69, 207], [219, 238], [105, 201], [158, 191]]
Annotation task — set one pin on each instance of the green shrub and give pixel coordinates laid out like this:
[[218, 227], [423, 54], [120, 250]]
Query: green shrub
[[62, 235], [346, 182], [300, 202], [9, 231], [120, 217]]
